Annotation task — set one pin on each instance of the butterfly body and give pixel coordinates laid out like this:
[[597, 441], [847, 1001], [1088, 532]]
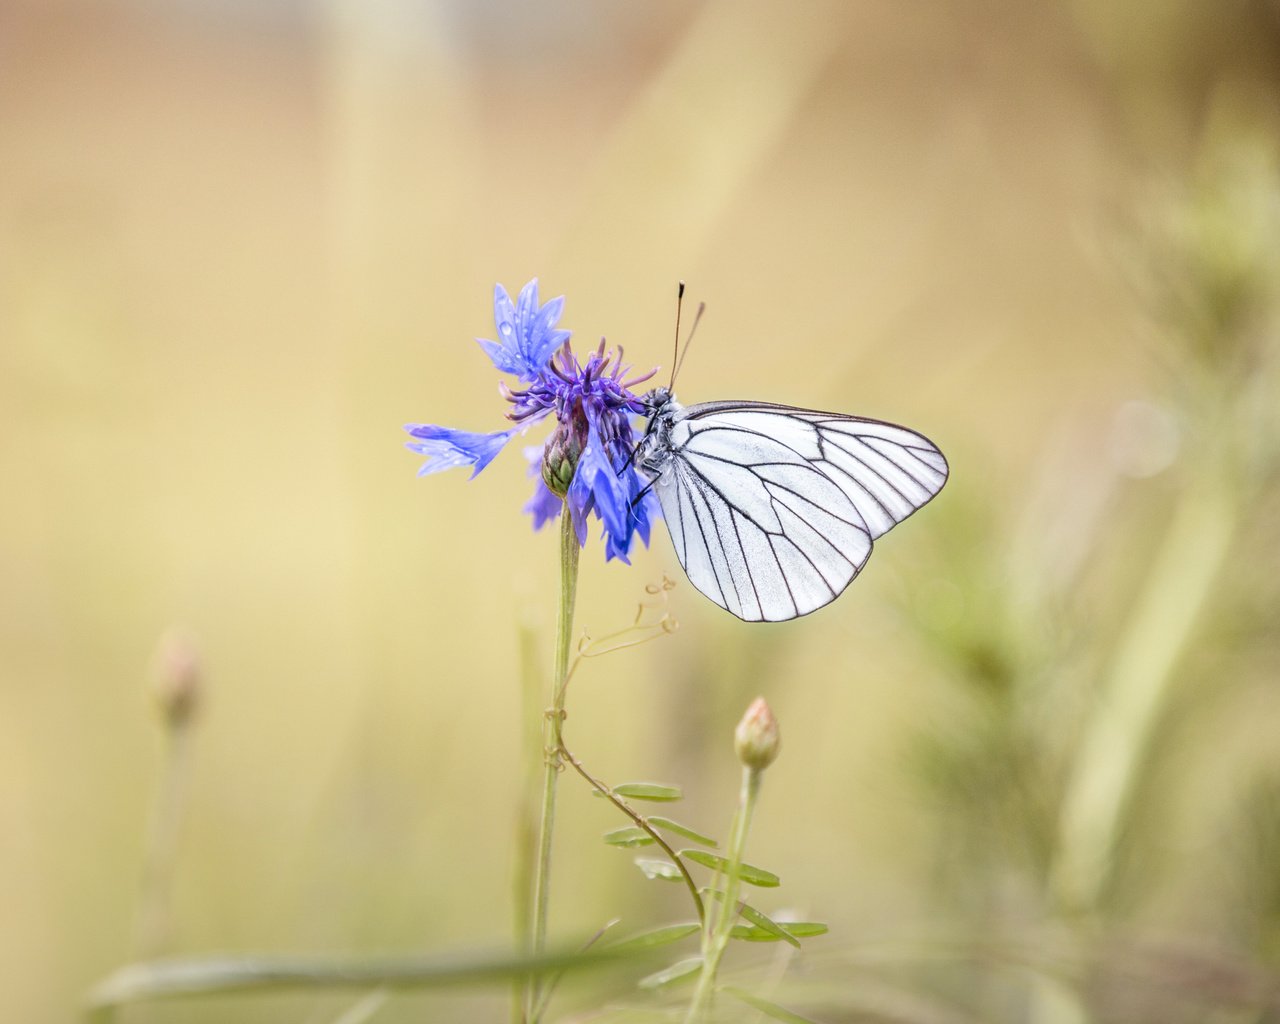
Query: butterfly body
[[657, 446], [772, 509]]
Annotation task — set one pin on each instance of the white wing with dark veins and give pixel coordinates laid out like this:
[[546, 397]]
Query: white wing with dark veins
[[773, 510]]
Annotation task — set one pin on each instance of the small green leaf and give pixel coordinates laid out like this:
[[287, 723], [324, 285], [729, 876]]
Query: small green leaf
[[790, 932], [762, 927], [684, 830], [680, 969], [647, 791], [655, 937], [749, 874], [765, 923], [630, 836], [804, 929], [752, 933], [769, 1009], [660, 869]]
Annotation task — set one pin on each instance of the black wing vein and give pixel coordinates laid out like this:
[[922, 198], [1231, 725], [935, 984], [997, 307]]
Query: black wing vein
[[786, 536]]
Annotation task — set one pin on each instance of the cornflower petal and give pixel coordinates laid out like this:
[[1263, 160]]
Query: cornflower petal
[[543, 339], [640, 513], [526, 309], [527, 336], [642, 510], [580, 503], [504, 359], [597, 486], [544, 506], [446, 448], [504, 314]]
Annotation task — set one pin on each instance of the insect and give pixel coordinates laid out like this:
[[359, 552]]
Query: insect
[[773, 510]]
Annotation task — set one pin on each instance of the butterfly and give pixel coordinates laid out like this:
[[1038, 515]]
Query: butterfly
[[772, 509]]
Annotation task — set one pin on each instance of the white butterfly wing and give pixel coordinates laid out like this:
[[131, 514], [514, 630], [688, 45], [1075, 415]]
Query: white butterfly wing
[[772, 510], [758, 529], [887, 471]]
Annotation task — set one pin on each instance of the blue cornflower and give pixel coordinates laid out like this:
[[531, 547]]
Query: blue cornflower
[[588, 458]]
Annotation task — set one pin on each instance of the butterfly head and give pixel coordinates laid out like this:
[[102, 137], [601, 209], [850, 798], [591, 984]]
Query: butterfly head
[[657, 400]]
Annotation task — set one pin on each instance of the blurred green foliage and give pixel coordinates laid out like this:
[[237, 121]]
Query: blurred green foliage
[[1030, 767]]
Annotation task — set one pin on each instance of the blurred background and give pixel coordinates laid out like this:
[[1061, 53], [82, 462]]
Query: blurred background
[[1030, 767]]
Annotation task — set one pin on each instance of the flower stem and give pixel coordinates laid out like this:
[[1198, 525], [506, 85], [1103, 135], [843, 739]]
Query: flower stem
[[1109, 764], [715, 938], [641, 822], [526, 839], [154, 919], [552, 763]]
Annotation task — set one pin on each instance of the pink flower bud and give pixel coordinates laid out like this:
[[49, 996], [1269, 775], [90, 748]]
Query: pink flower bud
[[756, 738], [176, 677]]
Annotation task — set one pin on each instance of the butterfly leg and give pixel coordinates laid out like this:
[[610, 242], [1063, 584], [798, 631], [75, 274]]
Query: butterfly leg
[[631, 509]]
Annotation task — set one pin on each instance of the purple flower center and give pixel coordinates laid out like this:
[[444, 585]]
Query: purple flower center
[[598, 386]]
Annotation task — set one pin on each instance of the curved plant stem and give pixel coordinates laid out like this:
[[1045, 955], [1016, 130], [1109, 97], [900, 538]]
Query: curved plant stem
[[715, 938], [552, 764], [641, 822]]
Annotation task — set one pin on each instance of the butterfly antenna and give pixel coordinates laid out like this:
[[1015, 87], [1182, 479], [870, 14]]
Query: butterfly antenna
[[697, 319], [675, 355]]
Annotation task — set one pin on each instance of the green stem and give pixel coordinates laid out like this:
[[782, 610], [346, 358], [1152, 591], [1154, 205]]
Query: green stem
[[177, 977], [641, 822], [526, 846], [716, 938], [1117, 740], [154, 923], [552, 763]]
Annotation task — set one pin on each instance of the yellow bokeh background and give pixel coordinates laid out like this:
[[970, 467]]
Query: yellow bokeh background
[[242, 244]]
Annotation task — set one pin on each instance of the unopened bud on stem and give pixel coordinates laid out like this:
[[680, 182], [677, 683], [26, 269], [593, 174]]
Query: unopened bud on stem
[[756, 738], [176, 677], [564, 448]]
